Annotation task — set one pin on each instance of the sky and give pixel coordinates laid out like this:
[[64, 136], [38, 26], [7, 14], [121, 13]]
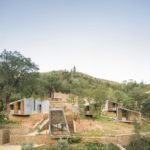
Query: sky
[[108, 39]]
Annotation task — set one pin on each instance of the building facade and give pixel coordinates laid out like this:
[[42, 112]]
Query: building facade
[[29, 106]]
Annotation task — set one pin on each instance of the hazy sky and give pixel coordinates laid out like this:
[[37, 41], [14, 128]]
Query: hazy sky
[[108, 39]]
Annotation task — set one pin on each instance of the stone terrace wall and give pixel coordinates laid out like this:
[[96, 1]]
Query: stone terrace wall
[[20, 131], [123, 140], [20, 139], [4, 136]]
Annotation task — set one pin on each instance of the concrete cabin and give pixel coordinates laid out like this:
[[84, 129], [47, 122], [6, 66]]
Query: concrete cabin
[[28, 106], [111, 106], [89, 107], [127, 115]]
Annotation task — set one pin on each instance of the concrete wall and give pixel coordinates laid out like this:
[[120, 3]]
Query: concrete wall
[[105, 108], [28, 106], [44, 105]]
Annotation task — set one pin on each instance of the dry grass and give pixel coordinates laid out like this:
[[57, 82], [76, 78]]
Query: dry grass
[[102, 128]]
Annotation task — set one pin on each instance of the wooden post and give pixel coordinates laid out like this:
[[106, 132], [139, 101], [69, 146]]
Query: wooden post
[[22, 106], [7, 108], [16, 107]]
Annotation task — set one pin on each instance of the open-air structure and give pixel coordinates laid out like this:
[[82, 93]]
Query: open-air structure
[[127, 115], [111, 106], [89, 108]]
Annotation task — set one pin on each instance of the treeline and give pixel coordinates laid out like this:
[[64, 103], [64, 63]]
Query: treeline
[[19, 77]]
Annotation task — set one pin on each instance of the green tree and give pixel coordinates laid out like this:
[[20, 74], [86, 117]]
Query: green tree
[[16, 73], [146, 107], [137, 95]]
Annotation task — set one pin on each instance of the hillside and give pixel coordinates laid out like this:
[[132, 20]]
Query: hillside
[[131, 94], [77, 83]]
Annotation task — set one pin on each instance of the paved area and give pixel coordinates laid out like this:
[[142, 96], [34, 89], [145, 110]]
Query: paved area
[[10, 147], [14, 147]]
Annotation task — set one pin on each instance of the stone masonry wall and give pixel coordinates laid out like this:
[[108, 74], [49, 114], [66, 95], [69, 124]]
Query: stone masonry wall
[[21, 139], [119, 139], [20, 131], [4, 136]]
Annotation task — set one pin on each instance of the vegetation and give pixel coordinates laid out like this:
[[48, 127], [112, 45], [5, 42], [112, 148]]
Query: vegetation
[[63, 145], [19, 77], [99, 146], [75, 139], [140, 143], [133, 95], [26, 146]]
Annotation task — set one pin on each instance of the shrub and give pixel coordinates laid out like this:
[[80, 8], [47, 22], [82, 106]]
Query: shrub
[[99, 146], [62, 144], [27, 146], [74, 140], [2, 116], [139, 143]]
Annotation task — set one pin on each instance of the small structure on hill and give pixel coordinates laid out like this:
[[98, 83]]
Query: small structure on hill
[[58, 125], [62, 100], [111, 106], [28, 106], [127, 115], [58, 96], [89, 108]]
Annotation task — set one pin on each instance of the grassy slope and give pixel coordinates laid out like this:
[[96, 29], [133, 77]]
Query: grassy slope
[[80, 83]]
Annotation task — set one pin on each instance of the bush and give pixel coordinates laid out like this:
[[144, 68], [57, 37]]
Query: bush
[[99, 146], [2, 116], [74, 140], [139, 143], [62, 144], [27, 146]]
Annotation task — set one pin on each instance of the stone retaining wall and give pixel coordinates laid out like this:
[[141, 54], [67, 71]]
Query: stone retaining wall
[[21, 139], [123, 140], [20, 131], [4, 136]]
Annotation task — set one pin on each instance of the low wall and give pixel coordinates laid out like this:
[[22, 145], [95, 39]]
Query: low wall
[[123, 139], [104, 140], [21, 139], [20, 131], [4, 136]]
